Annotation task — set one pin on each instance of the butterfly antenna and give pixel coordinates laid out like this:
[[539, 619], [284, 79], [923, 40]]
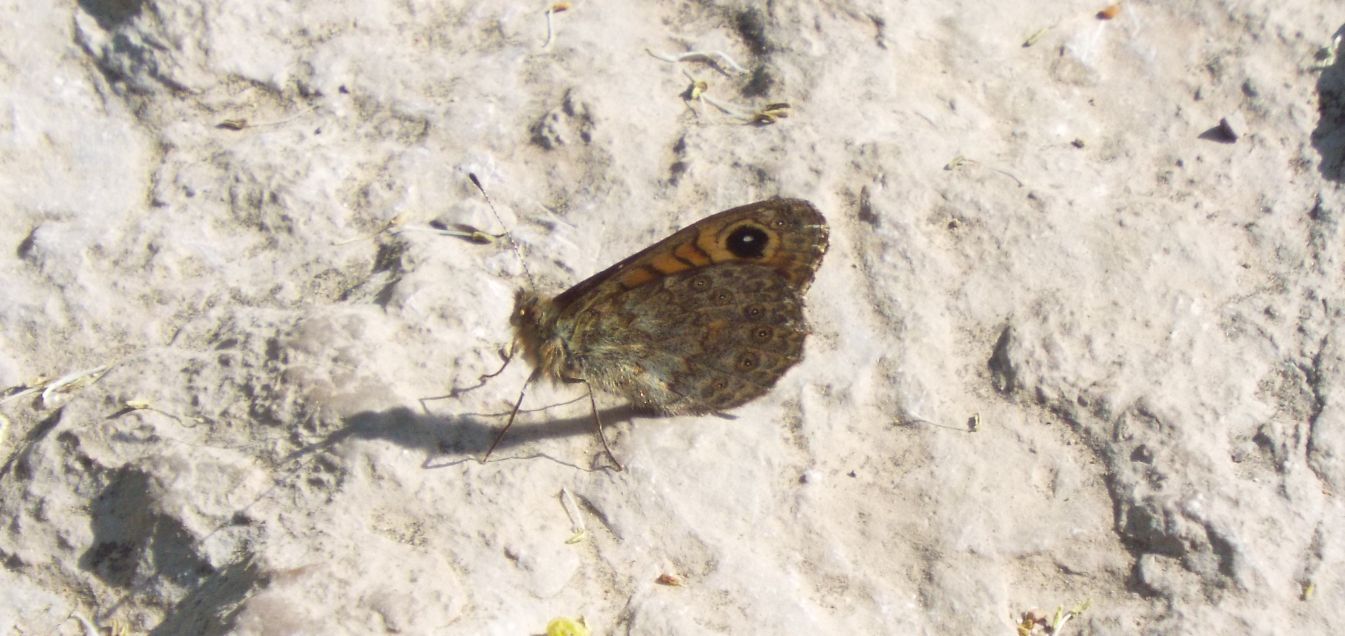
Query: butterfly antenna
[[532, 284]]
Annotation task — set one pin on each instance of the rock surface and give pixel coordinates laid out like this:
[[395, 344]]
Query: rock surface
[[1066, 349]]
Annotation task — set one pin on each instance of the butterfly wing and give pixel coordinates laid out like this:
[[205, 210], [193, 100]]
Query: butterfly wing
[[789, 236], [720, 337], [705, 320]]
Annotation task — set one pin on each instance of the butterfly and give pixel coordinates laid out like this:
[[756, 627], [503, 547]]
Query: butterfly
[[700, 322]]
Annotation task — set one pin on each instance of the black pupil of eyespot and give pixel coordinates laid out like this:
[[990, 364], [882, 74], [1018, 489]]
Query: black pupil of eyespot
[[748, 242]]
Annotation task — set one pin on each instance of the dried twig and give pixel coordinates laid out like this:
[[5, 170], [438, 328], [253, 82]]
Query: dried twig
[[709, 56], [559, 7], [577, 530]]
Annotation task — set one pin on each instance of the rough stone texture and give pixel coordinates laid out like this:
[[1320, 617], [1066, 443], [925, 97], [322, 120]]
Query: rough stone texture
[[234, 204]]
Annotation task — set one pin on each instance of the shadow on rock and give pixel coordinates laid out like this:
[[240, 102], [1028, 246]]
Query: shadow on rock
[[449, 440], [1329, 136], [111, 14], [212, 607], [132, 542]]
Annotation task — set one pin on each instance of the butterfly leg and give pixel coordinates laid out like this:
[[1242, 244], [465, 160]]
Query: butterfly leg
[[597, 419], [602, 435], [506, 356], [521, 392]]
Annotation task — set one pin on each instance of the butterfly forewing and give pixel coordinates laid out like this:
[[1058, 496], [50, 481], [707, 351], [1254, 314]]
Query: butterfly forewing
[[793, 239]]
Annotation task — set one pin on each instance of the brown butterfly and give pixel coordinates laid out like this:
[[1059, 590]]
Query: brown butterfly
[[700, 322]]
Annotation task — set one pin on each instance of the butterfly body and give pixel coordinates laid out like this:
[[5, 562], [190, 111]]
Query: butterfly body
[[700, 322]]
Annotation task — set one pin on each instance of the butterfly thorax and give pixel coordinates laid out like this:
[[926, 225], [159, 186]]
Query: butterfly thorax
[[536, 334]]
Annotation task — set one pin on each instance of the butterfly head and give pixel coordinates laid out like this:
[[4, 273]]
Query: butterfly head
[[527, 309], [534, 323]]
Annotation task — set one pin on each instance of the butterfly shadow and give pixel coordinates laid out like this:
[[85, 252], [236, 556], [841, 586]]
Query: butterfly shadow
[[456, 439]]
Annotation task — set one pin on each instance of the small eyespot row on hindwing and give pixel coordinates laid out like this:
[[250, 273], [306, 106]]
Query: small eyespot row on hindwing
[[712, 392], [755, 286]]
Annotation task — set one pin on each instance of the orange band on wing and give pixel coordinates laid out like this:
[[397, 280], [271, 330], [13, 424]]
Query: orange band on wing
[[700, 245], [707, 242], [692, 254], [683, 257], [636, 277]]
